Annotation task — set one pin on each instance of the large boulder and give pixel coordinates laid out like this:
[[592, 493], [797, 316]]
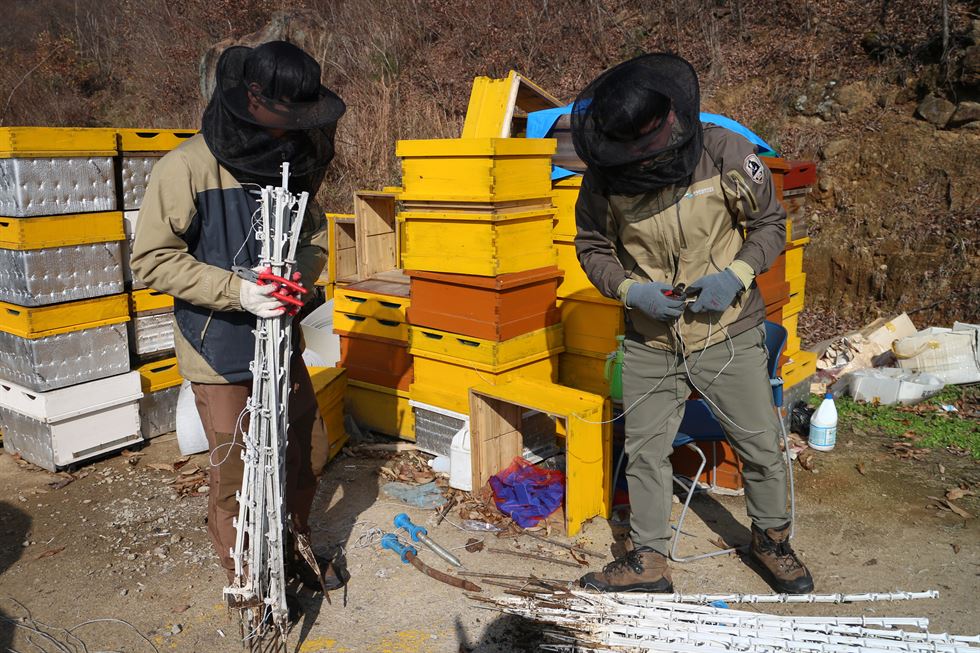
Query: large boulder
[[855, 97], [936, 110], [966, 113]]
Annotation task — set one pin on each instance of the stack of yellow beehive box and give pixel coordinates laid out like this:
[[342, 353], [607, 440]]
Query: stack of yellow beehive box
[[592, 322], [800, 365], [477, 224]]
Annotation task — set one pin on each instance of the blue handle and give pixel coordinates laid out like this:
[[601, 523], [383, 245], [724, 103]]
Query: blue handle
[[404, 521], [390, 541]]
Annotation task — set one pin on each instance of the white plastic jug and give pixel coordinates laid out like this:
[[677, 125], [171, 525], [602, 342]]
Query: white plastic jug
[[460, 471], [823, 425]]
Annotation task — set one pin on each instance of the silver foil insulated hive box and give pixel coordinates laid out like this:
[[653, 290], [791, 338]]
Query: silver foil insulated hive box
[[53, 259], [49, 347], [56, 186], [151, 330], [62, 427]]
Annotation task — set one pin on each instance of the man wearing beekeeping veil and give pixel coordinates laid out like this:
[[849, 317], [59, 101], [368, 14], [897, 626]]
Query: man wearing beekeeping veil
[[197, 221], [668, 201]]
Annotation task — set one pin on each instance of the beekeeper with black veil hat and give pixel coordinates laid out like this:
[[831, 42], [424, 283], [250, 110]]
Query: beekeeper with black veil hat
[[197, 221], [669, 201]]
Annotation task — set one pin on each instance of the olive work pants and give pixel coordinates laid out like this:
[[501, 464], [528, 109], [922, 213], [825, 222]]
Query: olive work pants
[[743, 393], [220, 406]]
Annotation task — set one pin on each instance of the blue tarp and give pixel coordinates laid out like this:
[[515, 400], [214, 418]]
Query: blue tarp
[[540, 124]]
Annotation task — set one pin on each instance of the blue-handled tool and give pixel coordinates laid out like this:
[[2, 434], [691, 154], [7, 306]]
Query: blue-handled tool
[[390, 541], [408, 554], [420, 534]]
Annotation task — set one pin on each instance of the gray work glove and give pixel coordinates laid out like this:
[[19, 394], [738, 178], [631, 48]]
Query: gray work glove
[[718, 291], [649, 298]]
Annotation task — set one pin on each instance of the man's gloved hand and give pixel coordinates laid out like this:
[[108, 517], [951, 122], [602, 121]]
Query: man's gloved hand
[[718, 291], [649, 297], [258, 300]]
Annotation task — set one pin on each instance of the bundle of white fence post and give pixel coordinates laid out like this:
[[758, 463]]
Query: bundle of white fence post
[[260, 579], [587, 621]]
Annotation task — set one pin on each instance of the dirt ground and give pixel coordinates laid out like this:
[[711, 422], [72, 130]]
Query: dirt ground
[[121, 544]]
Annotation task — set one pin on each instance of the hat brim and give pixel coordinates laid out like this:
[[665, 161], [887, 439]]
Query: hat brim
[[274, 113]]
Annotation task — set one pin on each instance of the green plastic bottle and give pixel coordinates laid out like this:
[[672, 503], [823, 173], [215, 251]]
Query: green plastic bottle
[[614, 370]]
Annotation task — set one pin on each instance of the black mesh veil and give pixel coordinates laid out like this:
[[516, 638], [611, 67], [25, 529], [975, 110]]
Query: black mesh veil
[[637, 126], [268, 107]]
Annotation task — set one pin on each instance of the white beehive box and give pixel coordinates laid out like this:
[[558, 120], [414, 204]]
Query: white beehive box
[[62, 427]]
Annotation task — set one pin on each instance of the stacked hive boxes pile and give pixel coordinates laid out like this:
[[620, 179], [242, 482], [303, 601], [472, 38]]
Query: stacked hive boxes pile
[[477, 230], [67, 391], [74, 322]]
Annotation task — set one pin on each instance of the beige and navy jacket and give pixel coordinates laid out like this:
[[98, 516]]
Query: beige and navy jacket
[[194, 224], [728, 216]]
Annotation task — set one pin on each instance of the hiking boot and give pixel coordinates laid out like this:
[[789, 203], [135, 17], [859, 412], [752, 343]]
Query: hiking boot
[[333, 574], [785, 572], [641, 569]]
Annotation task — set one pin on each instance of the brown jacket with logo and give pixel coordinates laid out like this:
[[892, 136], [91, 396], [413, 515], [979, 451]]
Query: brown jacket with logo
[[728, 212], [194, 224]]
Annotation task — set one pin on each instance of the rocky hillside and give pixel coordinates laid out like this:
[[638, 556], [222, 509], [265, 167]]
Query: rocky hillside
[[884, 94]]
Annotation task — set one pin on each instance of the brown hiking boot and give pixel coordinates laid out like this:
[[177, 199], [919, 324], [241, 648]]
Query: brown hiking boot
[[783, 570], [641, 570]]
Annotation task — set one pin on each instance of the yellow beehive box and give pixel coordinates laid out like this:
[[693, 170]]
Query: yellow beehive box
[[380, 409], [575, 283], [151, 140], [42, 321], [330, 388], [485, 244], [487, 355], [583, 371], [793, 342], [794, 257], [44, 142], [800, 365], [142, 301], [159, 375], [795, 305], [797, 283], [565, 196], [359, 325], [61, 230], [476, 169], [591, 326], [356, 300], [446, 382]]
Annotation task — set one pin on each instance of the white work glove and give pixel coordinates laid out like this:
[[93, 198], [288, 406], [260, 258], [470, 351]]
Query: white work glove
[[256, 299]]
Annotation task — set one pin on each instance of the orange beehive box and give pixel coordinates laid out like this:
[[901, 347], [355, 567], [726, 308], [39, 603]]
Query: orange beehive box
[[490, 308], [377, 361]]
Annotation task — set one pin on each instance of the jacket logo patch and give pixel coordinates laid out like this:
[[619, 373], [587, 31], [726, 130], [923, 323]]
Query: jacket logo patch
[[754, 167], [703, 191]]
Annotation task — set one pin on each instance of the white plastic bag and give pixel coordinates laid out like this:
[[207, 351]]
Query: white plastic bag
[[190, 431]]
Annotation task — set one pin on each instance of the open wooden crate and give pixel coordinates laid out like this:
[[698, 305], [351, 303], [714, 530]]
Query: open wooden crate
[[497, 429]]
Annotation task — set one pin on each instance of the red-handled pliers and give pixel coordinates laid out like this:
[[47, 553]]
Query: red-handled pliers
[[286, 290]]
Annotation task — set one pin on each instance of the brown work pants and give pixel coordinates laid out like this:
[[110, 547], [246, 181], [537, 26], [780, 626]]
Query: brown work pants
[[220, 406]]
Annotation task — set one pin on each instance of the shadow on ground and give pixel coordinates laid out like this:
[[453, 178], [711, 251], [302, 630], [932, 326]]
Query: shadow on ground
[[15, 524]]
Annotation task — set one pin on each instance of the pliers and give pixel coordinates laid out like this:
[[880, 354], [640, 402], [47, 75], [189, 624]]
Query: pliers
[[287, 291]]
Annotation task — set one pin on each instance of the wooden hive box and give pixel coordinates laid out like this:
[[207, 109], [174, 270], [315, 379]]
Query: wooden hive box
[[376, 228], [481, 240], [496, 437], [476, 169], [489, 308]]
